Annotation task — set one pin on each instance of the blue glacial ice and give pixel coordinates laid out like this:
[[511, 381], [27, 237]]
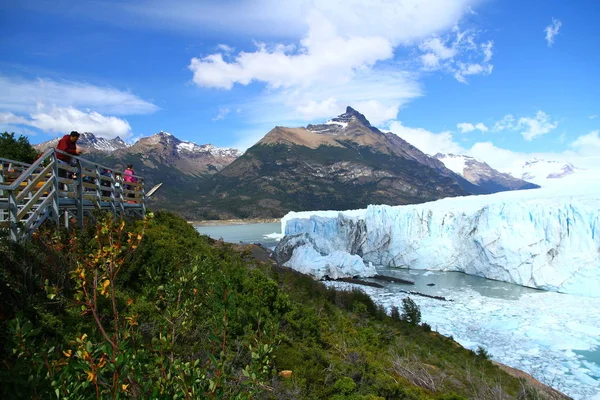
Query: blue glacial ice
[[533, 238]]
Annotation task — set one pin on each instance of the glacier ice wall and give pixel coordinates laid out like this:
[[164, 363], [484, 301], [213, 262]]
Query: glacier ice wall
[[319, 258], [550, 243]]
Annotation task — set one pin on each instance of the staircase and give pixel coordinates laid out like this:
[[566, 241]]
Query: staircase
[[51, 189]]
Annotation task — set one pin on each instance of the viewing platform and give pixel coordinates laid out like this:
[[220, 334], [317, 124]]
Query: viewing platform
[[50, 189]]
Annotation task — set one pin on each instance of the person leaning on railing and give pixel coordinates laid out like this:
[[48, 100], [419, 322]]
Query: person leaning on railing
[[128, 176], [68, 144]]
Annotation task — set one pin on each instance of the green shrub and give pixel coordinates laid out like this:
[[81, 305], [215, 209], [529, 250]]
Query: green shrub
[[344, 385], [411, 312], [482, 353]]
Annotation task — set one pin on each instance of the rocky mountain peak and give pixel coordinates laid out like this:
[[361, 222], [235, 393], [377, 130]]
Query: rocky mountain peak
[[351, 114], [339, 124]]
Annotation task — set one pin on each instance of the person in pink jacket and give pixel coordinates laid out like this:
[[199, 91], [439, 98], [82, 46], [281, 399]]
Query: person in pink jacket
[[128, 176]]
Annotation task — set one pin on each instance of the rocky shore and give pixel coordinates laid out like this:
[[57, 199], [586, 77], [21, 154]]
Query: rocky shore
[[215, 222]]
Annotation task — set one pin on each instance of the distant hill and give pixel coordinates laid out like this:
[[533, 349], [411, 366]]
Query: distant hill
[[482, 175]]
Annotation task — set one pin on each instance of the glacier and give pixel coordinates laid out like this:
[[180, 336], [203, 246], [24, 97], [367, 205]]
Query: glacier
[[545, 238]]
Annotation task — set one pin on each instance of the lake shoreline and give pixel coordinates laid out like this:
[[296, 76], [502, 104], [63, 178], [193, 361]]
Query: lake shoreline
[[216, 222]]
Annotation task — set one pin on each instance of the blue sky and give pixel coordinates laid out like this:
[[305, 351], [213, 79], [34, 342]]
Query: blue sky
[[499, 80]]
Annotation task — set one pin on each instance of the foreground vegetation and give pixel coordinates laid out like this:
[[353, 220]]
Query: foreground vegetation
[[152, 310]]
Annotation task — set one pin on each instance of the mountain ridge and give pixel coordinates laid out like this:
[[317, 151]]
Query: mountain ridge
[[482, 175]]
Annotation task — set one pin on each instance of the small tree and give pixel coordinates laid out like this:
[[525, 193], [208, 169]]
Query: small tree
[[16, 149], [410, 311]]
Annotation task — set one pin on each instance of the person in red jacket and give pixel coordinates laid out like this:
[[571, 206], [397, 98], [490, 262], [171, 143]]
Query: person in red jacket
[[68, 144]]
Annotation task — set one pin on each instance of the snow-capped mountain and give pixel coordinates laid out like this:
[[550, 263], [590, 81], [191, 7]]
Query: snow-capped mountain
[[188, 157], [540, 171], [481, 174], [89, 142]]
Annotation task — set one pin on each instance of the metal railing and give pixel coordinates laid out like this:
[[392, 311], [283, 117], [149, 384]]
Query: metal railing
[[51, 188]]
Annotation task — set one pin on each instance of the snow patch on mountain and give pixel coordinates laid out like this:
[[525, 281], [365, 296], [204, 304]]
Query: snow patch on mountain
[[456, 164], [208, 148], [332, 122], [540, 171]]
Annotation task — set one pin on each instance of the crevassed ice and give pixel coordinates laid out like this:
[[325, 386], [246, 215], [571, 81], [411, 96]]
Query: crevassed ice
[[540, 333], [545, 239]]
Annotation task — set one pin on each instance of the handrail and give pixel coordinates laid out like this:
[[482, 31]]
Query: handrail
[[25, 174], [14, 162], [90, 162]]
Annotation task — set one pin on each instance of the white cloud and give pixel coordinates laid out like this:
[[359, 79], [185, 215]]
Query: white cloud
[[67, 119], [584, 153], [487, 50], [345, 47], [225, 48], [593, 116], [314, 109], [427, 141], [530, 127], [466, 127], [24, 96], [18, 130], [498, 158], [481, 126], [552, 30], [222, 113], [457, 54], [438, 48], [400, 20], [314, 62], [587, 144], [537, 126], [467, 69], [378, 96], [10, 118], [507, 122]]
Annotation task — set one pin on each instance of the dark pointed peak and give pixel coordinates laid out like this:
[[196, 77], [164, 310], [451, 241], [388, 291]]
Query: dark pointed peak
[[349, 114]]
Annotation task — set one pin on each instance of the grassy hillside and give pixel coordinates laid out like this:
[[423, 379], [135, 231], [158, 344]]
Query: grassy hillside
[[152, 310]]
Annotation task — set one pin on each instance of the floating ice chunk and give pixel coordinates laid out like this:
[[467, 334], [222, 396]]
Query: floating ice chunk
[[337, 264], [274, 236]]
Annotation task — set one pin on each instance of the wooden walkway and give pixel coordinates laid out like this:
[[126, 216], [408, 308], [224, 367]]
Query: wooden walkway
[[50, 189]]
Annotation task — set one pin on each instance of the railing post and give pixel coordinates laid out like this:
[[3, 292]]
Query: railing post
[[12, 215], [80, 195], [143, 190], [121, 198], [112, 194], [56, 184], [2, 171], [98, 186]]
